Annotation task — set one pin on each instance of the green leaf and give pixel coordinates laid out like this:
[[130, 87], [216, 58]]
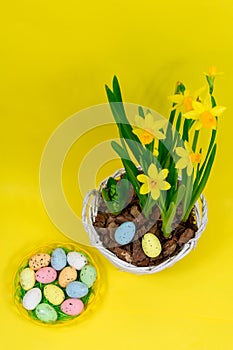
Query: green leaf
[[199, 189], [207, 172], [195, 139], [116, 89], [213, 102], [119, 150], [213, 137], [189, 190], [141, 112], [150, 148], [167, 221], [186, 128], [179, 194], [105, 194]]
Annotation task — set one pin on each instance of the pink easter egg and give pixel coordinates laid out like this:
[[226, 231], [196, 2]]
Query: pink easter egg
[[72, 307], [46, 275]]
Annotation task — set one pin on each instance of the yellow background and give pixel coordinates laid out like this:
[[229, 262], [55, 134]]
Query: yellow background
[[55, 58]]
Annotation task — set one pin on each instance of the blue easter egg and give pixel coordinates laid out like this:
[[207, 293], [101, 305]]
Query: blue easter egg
[[76, 289], [58, 259], [125, 233]]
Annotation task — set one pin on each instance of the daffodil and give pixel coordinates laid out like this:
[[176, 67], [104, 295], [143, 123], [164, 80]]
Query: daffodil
[[154, 182], [148, 128], [187, 159], [184, 101], [204, 115], [212, 72]]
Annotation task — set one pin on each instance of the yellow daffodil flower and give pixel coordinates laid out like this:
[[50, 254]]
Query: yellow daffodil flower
[[204, 115], [148, 128], [184, 101], [212, 72], [187, 159], [154, 182]]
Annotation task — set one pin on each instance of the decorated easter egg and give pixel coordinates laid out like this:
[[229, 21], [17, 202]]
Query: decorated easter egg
[[125, 233], [76, 260], [46, 275], [32, 298], [46, 313], [67, 275], [58, 259], [54, 294], [76, 289], [27, 278], [151, 245], [72, 307], [88, 275], [39, 260]]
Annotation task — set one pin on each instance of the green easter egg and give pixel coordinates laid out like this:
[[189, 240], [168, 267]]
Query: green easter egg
[[46, 313], [88, 275]]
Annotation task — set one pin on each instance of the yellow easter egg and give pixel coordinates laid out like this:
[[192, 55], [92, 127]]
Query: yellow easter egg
[[27, 278], [151, 245], [54, 294]]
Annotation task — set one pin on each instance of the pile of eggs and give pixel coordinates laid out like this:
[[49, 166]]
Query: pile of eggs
[[56, 286]]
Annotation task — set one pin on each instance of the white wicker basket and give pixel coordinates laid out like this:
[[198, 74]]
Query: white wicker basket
[[89, 213]]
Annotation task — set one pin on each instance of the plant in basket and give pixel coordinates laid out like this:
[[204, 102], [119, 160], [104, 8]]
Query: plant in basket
[[150, 213]]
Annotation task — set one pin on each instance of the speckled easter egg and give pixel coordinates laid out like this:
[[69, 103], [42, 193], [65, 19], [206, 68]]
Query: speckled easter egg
[[46, 313], [27, 278], [54, 294], [76, 260], [67, 275], [88, 275], [76, 289], [58, 259], [125, 233], [151, 245], [39, 260], [72, 307], [32, 298], [46, 275]]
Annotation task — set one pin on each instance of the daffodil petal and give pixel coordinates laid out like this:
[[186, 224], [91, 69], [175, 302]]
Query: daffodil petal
[[198, 125], [159, 135], [181, 164], [218, 110], [191, 115], [149, 120], [152, 171], [164, 185], [181, 152], [198, 107], [142, 178], [155, 193], [140, 122], [160, 123], [137, 132], [144, 189], [177, 98], [163, 174], [198, 92]]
